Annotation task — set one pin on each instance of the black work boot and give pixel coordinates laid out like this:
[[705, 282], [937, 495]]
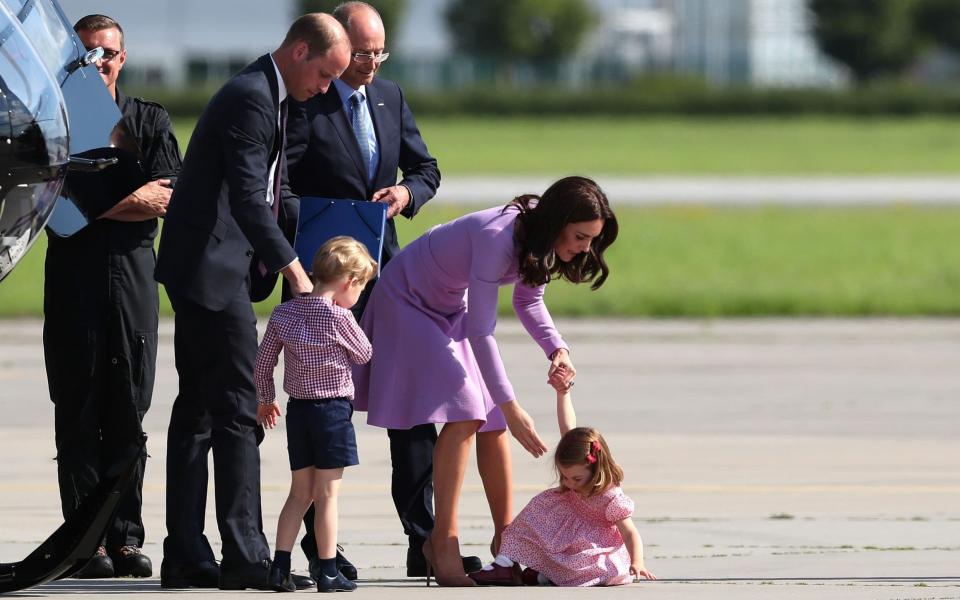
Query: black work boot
[[130, 561], [98, 567]]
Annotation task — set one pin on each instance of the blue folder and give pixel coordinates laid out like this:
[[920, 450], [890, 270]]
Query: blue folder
[[324, 218]]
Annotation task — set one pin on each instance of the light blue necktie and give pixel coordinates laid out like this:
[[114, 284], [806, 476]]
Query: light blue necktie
[[361, 129]]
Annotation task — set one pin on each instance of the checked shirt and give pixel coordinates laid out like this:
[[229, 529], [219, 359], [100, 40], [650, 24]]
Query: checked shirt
[[319, 340]]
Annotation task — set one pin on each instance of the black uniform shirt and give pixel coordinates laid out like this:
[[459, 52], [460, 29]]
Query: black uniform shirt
[[150, 126]]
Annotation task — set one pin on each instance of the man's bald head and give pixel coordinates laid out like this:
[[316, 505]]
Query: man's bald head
[[367, 39], [314, 53], [319, 31]]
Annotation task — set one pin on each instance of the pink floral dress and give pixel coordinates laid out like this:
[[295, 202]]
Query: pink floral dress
[[570, 539]]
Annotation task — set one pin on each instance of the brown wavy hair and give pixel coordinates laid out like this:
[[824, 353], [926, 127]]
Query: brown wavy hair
[[574, 449], [570, 200]]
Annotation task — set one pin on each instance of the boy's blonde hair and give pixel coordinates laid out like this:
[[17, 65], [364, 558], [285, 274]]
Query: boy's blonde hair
[[343, 256], [585, 446]]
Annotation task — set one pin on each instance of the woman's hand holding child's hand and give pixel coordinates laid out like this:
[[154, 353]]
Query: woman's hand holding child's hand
[[558, 380], [267, 414], [561, 360]]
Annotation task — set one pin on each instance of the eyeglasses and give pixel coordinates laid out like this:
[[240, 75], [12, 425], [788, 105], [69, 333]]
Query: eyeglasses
[[108, 54], [366, 57]]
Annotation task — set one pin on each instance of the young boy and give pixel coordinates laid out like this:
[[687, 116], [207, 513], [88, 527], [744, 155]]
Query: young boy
[[320, 339]]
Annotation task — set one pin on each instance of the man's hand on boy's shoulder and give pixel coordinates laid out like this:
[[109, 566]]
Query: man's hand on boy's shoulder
[[267, 414]]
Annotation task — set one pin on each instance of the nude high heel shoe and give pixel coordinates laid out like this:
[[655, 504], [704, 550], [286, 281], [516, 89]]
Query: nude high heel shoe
[[449, 580]]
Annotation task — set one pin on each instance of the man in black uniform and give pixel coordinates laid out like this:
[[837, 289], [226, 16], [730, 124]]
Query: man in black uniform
[[100, 323]]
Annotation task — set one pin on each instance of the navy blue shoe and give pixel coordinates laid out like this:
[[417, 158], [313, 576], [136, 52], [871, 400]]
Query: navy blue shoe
[[280, 581], [343, 565], [334, 584]]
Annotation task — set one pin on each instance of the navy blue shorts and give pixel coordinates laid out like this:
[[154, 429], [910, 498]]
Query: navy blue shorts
[[320, 434]]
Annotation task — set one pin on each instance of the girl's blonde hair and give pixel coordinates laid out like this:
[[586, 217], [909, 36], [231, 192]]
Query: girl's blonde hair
[[585, 446], [343, 256]]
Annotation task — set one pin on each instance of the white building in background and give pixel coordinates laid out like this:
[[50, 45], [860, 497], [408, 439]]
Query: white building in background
[[760, 42], [713, 39], [782, 49], [173, 42], [635, 33], [757, 42]]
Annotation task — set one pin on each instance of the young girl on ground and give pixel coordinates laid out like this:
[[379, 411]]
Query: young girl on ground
[[320, 339], [577, 534]]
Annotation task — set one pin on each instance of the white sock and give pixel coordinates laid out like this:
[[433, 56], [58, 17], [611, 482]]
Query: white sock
[[503, 561]]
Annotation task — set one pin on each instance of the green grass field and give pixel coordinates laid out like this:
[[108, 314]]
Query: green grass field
[[690, 261], [673, 146]]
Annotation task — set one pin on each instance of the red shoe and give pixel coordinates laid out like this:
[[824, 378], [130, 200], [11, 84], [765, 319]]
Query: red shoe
[[529, 577], [498, 575]]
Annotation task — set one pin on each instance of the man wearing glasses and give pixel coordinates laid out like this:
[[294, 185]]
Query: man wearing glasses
[[100, 322], [349, 143]]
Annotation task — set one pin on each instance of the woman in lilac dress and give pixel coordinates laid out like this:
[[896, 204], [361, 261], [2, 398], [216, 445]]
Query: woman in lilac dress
[[431, 320]]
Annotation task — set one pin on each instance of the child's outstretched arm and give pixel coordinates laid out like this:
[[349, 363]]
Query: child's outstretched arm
[[631, 538], [566, 417]]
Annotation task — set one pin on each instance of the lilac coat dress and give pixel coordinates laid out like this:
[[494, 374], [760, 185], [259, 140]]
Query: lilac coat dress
[[431, 320]]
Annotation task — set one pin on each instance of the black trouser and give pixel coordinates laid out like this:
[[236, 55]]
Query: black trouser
[[100, 349], [216, 409], [411, 454]]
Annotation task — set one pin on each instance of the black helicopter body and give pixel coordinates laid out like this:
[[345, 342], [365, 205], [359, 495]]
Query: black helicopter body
[[62, 150]]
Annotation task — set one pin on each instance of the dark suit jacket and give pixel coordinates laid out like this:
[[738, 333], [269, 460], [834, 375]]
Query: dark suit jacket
[[218, 215], [323, 157]]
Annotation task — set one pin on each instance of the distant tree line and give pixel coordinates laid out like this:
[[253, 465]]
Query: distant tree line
[[880, 39]]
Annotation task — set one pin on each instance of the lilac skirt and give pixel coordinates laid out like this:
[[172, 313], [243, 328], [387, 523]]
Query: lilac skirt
[[423, 369]]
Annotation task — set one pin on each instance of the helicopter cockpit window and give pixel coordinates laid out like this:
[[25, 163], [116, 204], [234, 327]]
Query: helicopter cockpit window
[[15, 6], [37, 131], [33, 142], [53, 40]]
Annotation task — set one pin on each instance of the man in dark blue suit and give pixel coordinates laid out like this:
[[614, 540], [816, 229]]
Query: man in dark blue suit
[[324, 156], [228, 205], [349, 142]]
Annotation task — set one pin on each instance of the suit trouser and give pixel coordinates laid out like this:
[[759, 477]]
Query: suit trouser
[[100, 350], [411, 454], [216, 408]]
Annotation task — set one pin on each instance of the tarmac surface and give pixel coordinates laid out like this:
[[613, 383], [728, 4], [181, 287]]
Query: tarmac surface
[[767, 458]]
